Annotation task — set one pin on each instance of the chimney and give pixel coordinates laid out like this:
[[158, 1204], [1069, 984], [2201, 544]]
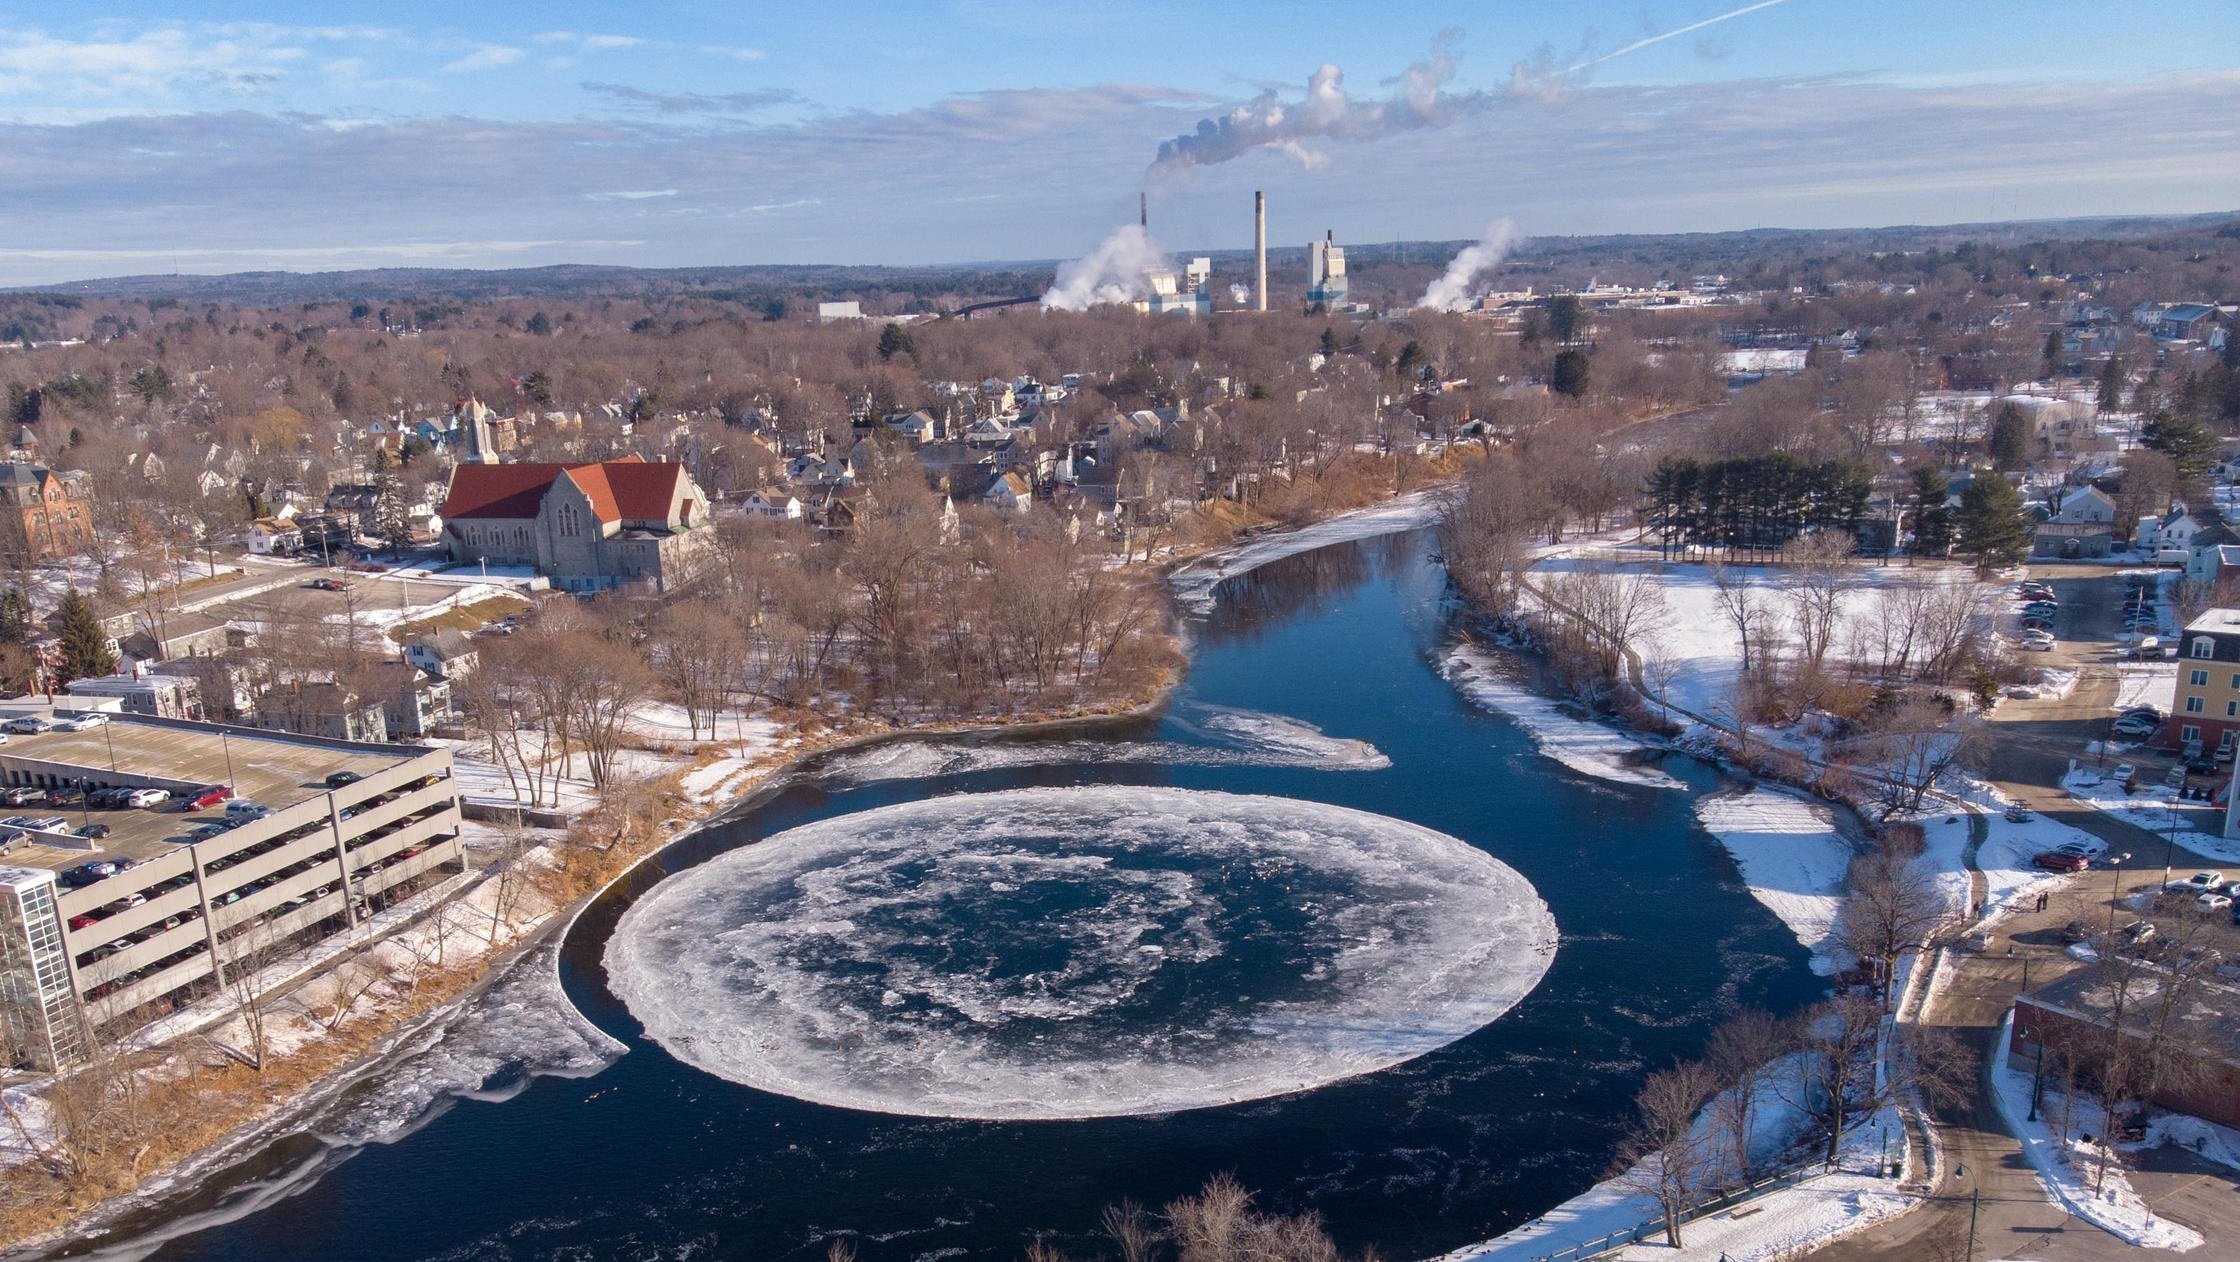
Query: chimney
[[1260, 251], [1143, 211]]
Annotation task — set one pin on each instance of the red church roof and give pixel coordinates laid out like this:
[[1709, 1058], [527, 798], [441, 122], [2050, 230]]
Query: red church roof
[[628, 489]]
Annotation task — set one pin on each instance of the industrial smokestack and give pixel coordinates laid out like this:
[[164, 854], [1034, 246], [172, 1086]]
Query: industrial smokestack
[[1143, 211], [1260, 251]]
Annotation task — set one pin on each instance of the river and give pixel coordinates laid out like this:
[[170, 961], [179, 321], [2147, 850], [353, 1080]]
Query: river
[[640, 1156]]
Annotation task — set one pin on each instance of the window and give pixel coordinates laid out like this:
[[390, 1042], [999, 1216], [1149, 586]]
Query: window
[[2236, 683], [571, 521], [2232, 709], [2199, 679], [2193, 705], [2202, 647], [2190, 734]]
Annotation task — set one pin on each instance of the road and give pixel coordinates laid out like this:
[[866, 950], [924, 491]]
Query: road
[[2030, 749]]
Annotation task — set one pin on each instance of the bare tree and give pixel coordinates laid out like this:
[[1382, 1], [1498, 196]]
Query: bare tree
[[1892, 906], [1741, 1056], [1666, 1157], [1818, 577]]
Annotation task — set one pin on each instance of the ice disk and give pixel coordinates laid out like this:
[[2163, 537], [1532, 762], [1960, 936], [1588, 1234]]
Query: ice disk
[[1084, 952]]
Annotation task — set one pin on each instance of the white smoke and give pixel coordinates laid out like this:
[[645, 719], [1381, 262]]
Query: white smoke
[[1241, 295], [1325, 113], [1113, 272], [1451, 292]]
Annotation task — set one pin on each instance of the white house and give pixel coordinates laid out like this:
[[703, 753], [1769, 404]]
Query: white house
[[445, 654], [1009, 494], [773, 503], [269, 536], [2176, 530], [2086, 504]]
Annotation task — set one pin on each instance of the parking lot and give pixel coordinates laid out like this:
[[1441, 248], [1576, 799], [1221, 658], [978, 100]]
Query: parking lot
[[269, 768]]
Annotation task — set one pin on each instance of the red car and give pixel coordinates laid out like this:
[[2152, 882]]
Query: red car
[[211, 796], [2057, 861]]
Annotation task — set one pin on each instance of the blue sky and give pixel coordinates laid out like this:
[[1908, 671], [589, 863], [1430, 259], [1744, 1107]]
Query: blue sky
[[214, 137]]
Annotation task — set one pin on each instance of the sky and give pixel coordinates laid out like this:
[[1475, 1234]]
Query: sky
[[214, 137]]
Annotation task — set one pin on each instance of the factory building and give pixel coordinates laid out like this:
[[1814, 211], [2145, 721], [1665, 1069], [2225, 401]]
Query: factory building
[[99, 935], [1326, 274]]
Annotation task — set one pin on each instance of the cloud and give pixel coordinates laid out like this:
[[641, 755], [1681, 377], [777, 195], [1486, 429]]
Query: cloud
[[734, 52], [1325, 112], [695, 102], [162, 61], [632, 194], [240, 189], [590, 42], [487, 57]]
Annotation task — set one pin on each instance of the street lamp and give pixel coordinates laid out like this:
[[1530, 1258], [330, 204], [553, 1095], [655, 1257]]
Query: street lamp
[[227, 746], [2038, 1047], [2115, 889], [1975, 1202]]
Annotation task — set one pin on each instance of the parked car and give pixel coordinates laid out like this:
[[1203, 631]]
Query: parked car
[[2198, 883], [27, 725], [2214, 902], [2135, 725], [147, 797], [48, 824], [341, 778], [330, 584], [23, 796], [2056, 861], [2124, 773], [2201, 767], [2019, 814], [87, 873], [92, 832], [2077, 931], [79, 723], [84, 920], [2035, 641], [2139, 932], [208, 796]]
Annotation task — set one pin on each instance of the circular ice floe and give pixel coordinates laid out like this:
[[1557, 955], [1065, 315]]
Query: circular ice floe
[[1055, 953]]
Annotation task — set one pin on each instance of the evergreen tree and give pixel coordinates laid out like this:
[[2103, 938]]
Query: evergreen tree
[[1563, 317], [1411, 358], [2010, 438], [85, 646], [1932, 517], [1569, 376], [1994, 527], [392, 523], [2053, 354], [893, 341], [2188, 444], [1329, 341], [2111, 384]]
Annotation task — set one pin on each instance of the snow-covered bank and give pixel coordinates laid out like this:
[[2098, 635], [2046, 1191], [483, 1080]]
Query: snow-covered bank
[[1194, 583], [2066, 1164], [1773, 1226], [1585, 746], [2156, 809], [1792, 857]]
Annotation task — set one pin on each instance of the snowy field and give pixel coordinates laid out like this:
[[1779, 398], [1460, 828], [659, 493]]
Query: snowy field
[[1589, 748], [1792, 857], [1194, 583], [871, 961], [2066, 1166], [2146, 683]]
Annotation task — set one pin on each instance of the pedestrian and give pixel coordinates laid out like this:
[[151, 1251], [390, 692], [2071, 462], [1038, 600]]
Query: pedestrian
[[2042, 900]]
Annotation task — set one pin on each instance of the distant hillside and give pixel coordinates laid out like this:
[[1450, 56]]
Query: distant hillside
[[1560, 259]]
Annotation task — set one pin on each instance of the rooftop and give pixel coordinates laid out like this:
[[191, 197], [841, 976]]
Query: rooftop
[[2226, 621], [2209, 1019], [273, 769]]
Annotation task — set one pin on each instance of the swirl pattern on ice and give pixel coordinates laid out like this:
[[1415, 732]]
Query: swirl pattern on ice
[[1056, 953]]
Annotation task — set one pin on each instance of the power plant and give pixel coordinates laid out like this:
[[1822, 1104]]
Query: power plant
[[1326, 273]]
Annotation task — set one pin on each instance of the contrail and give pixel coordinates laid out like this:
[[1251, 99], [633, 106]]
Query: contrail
[[1639, 44]]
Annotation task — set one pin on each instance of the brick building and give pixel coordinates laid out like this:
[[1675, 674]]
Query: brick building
[[2079, 1012], [585, 526], [47, 514]]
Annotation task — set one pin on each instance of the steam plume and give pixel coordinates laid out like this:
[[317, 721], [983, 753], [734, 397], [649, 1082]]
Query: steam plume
[[1451, 292], [1325, 113], [1113, 272]]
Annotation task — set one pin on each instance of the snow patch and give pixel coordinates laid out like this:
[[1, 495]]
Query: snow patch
[[1792, 857], [1194, 583], [1587, 747]]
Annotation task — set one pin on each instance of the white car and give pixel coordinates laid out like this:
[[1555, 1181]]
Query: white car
[[80, 723], [2123, 773], [2199, 882], [147, 797], [2034, 642], [2213, 902]]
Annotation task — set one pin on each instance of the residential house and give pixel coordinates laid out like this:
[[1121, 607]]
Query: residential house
[[445, 654], [163, 696], [46, 514], [2213, 552], [327, 710], [586, 527], [2185, 322], [269, 536], [773, 503], [2082, 525], [221, 681], [2174, 532], [1011, 493], [413, 704]]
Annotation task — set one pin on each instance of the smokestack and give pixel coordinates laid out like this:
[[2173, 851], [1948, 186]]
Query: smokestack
[[1143, 211], [1260, 251]]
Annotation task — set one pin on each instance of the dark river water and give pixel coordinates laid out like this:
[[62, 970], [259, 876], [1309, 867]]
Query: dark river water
[[651, 1159]]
